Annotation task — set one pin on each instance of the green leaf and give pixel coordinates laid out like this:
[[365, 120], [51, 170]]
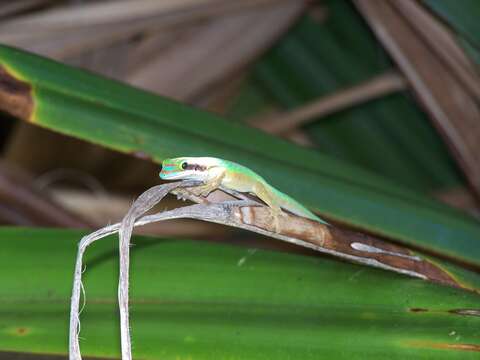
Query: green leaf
[[109, 113], [195, 300]]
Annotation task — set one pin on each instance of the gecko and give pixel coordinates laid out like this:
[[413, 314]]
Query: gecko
[[217, 173]]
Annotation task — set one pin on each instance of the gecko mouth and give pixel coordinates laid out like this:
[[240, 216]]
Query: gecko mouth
[[173, 174], [169, 175]]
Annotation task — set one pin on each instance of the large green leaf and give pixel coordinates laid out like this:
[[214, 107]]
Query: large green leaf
[[194, 300], [121, 117]]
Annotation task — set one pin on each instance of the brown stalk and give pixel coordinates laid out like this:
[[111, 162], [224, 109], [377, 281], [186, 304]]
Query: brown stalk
[[371, 89], [452, 108]]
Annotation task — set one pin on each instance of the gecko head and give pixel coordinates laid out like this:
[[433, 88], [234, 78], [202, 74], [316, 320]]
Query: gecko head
[[195, 168]]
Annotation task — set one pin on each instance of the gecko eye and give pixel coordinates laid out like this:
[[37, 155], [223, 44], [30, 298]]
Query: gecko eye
[[184, 165]]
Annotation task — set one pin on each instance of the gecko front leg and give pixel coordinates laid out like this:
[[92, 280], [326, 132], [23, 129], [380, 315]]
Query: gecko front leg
[[212, 182]]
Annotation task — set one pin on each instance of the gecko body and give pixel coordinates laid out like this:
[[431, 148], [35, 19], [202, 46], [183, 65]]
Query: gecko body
[[218, 173]]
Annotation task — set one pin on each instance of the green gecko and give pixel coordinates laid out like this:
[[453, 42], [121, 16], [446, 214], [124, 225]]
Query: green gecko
[[218, 173]]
